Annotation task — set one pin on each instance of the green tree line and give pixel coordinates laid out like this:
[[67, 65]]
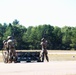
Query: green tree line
[[29, 38]]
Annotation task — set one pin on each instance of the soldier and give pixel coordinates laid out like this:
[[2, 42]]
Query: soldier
[[5, 54], [4, 44], [44, 49], [11, 46]]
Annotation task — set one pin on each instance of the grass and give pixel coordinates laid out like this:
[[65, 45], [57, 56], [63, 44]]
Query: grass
[[62, 57], [57, 55], [1, 58]]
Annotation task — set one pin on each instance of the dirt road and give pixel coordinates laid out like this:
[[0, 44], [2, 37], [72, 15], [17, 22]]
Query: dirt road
[[41, 68]]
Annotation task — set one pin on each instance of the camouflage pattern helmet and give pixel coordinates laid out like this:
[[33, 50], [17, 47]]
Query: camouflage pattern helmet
[[9, 37], [42, 39]]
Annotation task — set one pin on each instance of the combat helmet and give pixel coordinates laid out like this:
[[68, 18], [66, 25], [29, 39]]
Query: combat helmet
[[9, 37], [42, 39]]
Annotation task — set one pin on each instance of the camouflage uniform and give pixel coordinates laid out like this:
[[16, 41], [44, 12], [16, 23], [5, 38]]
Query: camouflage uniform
[[44, 49], [6, 51], [5, 45], [11, 46]]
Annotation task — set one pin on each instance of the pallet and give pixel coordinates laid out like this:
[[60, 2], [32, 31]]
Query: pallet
[[28, 56]]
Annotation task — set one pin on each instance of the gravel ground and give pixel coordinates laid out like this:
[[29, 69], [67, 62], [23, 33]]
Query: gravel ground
[[39, 68]]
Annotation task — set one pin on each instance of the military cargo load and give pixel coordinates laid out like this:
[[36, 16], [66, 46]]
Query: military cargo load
[[27, 56]]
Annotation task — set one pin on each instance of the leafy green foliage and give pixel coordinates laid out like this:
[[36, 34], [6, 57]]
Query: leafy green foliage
[[30, 38]]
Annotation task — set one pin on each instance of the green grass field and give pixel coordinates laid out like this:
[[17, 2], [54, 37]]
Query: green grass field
[[56, 55], [62, 55]]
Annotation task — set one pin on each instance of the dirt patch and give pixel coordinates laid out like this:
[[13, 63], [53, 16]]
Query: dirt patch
[[41, 68]]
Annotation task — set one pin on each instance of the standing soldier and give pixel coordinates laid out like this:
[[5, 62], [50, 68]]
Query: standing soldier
[[11, 46], [5, 44], [5, 54], [44, 49]]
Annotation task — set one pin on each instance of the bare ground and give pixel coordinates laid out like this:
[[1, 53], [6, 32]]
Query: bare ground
[[42, 68], [61, 63]]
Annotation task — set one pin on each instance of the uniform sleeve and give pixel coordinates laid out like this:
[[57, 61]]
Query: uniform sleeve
[[41, 43]]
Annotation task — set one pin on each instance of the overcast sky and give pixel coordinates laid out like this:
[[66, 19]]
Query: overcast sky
[[36, 12]]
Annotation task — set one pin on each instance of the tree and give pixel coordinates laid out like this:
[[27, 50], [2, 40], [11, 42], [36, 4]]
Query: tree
[[57, 38], [73, 38], [66, 39], [8, 31], [15, 22]]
